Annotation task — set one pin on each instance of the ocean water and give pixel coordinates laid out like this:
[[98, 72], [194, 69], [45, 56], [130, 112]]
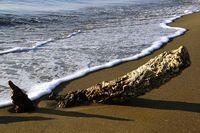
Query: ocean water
[[44, 43]]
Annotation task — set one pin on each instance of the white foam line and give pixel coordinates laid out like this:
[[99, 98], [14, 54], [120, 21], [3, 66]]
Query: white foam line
[[46, 88], [37, 45], [74, 33], [5, 103], [25, 49], [3, 33]]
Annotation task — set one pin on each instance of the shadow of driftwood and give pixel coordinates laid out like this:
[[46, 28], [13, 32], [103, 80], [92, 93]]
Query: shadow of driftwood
[[78, 114], [164, 105], [11, 119]]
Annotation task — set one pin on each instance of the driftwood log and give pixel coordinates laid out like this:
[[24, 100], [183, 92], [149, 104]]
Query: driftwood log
[[20, 100], [151, 75]]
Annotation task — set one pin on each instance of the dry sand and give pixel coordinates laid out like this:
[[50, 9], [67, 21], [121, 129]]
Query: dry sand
[[174, 107]]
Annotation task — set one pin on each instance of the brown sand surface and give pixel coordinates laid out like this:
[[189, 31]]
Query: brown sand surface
[[174, 107]]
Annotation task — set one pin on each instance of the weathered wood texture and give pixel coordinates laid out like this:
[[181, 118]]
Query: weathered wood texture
[[151, 75]]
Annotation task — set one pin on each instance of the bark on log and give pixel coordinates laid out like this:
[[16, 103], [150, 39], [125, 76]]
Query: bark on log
[[151, 75]]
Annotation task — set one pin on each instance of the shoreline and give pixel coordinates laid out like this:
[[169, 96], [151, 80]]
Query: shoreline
[[52, 86], [57, 84], [112, 71], [173, 107]]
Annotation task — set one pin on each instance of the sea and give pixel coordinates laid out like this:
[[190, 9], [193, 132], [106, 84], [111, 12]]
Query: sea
[[45, 43]]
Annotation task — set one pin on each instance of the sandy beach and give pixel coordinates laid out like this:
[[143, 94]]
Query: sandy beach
[[174, 107]]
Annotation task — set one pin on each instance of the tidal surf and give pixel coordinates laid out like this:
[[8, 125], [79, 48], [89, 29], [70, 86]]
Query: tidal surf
[[43, 44]]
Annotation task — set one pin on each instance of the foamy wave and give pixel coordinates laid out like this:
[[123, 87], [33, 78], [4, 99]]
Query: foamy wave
[[37, 45], [25, 49], [45, 88]]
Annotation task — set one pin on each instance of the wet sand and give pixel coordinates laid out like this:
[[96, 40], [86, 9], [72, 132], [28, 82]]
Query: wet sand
[[174, 107]]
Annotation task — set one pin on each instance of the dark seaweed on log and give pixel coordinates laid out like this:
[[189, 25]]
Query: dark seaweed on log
[[20, 100]]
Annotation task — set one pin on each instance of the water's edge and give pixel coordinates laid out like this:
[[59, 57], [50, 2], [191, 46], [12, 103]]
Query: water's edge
[[47, 87]]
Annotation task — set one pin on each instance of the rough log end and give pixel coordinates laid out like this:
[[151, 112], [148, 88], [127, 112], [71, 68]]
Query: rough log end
[[184, 55]]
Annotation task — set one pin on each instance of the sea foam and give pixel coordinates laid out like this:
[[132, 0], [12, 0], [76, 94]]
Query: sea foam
[[37, 45], [41, 89], [46, 88]]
